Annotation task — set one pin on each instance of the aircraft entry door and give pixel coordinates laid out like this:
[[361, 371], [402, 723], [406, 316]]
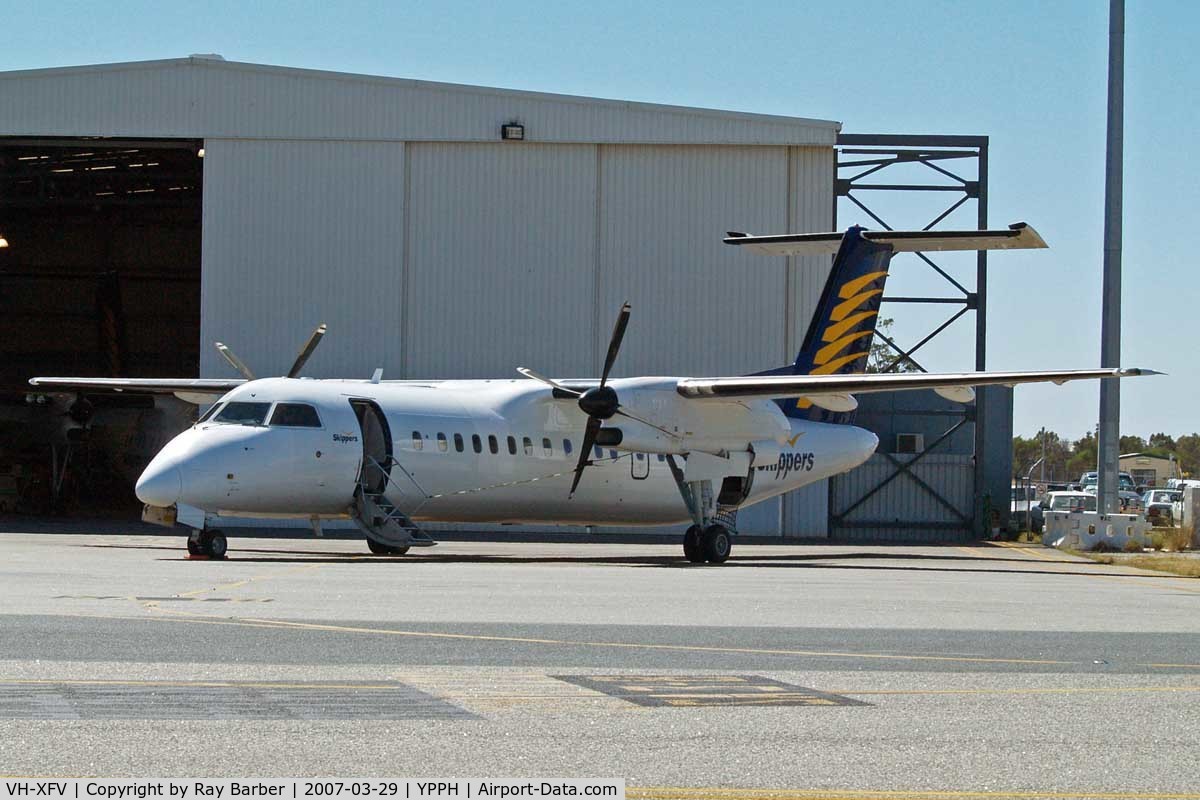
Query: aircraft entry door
[[377, 446]]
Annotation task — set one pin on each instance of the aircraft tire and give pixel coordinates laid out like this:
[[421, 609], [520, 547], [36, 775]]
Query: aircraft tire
[[693, 549], [194, 547], [380, 549], [716, 544], [214, 543]]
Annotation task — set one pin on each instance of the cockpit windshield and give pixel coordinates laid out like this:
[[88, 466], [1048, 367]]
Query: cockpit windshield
[[295, 415], [241, 413], [208, 414]]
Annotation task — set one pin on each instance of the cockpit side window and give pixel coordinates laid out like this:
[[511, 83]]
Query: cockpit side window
[[243, 413], [207, 415], [295, 415]]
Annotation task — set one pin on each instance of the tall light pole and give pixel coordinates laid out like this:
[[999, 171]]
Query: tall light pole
[[1110, 326]]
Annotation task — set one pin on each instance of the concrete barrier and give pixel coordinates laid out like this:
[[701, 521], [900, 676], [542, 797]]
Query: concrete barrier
[[1089, 530]]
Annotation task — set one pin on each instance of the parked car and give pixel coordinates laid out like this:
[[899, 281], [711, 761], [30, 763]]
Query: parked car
[[1088, 481], [1162, 506], [1024, 507], [1069, 501]]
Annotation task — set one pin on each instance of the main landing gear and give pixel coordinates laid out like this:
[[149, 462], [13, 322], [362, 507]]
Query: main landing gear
[[207, 544], [712, 544], [381, 549]]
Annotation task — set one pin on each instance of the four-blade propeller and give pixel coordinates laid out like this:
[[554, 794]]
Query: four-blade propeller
[[599, 402]]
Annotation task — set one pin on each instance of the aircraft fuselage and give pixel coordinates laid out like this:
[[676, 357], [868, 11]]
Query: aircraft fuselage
[[500, 451]]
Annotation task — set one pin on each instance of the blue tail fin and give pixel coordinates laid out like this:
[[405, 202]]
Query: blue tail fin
[[843, 327]]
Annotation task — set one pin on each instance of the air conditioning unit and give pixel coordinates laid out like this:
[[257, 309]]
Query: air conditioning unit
[[910, 442]]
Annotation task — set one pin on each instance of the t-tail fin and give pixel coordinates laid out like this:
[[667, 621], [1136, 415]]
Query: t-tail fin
[[842, 328]]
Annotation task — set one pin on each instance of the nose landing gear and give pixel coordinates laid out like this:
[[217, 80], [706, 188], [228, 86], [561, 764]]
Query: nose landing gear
[[711, 544], [207, 544]]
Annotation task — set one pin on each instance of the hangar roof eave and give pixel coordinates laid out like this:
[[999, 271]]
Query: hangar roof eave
[[200, 97]]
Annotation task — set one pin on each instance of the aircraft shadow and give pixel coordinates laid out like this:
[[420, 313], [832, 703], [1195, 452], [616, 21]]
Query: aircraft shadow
[[913, 562]]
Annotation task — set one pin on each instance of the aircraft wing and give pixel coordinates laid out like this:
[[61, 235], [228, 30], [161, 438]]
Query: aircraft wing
[[841, 385], [193, 390]]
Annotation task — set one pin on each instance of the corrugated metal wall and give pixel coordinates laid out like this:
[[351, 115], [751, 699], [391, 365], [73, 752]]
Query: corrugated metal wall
[[191, 98], [297, 233], [805, 513], [468, 259], [501, 260], [882, 515]]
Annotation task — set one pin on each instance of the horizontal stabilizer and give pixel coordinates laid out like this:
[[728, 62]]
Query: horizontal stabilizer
[[1019, 236]]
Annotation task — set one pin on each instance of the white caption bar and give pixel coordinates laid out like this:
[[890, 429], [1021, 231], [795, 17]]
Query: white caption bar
[[302, 789]]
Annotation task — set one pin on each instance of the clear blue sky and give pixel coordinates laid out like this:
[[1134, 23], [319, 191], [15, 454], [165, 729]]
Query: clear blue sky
[[1031, 75]]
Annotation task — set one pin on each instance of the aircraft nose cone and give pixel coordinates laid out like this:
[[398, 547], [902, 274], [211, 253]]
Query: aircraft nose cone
[[160, 485]]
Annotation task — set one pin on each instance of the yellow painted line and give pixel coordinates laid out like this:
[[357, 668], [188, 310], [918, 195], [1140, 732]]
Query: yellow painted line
[[703, 793], [201, 684], [1024, 690], [1172, 666], [178, 616], [1023, 549], [648, 646], [244, 581]]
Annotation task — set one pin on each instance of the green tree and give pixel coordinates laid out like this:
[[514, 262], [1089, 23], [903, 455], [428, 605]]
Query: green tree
[[1161, 441], [1083, 456], [1132, 444], [1187, 450], [883, 358]]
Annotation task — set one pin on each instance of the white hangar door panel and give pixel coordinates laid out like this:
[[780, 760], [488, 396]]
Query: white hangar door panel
[[501, 260], [699, 306], [297, 233]]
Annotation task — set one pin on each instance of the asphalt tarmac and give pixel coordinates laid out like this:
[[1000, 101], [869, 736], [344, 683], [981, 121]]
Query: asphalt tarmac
[[982, 671]]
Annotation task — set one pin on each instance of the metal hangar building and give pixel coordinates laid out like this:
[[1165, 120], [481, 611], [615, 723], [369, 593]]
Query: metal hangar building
[[442, 231]]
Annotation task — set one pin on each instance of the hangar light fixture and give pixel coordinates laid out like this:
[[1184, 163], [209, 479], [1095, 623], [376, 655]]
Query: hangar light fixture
[[200, 153], [3, 242], [514, 131]]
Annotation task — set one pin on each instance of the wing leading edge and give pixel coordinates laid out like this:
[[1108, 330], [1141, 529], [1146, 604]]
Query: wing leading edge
[[192, 386], [782, 386]]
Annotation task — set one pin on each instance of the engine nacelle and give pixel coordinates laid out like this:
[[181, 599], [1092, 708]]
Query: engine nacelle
[[637, 438]]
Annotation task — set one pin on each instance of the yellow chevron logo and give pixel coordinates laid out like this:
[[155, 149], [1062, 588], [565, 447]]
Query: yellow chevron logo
[[842, 309], [830, 350], [792, 441], [851, 288]]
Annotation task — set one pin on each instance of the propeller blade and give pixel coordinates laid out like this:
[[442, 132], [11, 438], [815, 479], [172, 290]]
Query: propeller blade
[[309, 346], [636, 418], [528, 373], [585, 452], [614, 344], [234, 361]]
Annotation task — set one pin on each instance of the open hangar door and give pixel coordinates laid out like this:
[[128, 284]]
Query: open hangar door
[[100, 277]]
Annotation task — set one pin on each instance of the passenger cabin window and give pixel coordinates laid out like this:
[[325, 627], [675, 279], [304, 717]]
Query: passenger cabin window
[[476, 443], [512, 446], [493, 445], [547, 447], [527, 443], [243, 413], [295, 415], [208, 414], [566, 447], [458, 442], [443, 445], [418, 442]]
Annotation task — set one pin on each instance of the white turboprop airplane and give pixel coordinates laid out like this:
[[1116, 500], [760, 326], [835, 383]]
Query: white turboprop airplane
[[657, 450]]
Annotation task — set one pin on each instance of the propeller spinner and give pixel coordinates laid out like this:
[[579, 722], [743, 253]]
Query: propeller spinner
[[599, 402]]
